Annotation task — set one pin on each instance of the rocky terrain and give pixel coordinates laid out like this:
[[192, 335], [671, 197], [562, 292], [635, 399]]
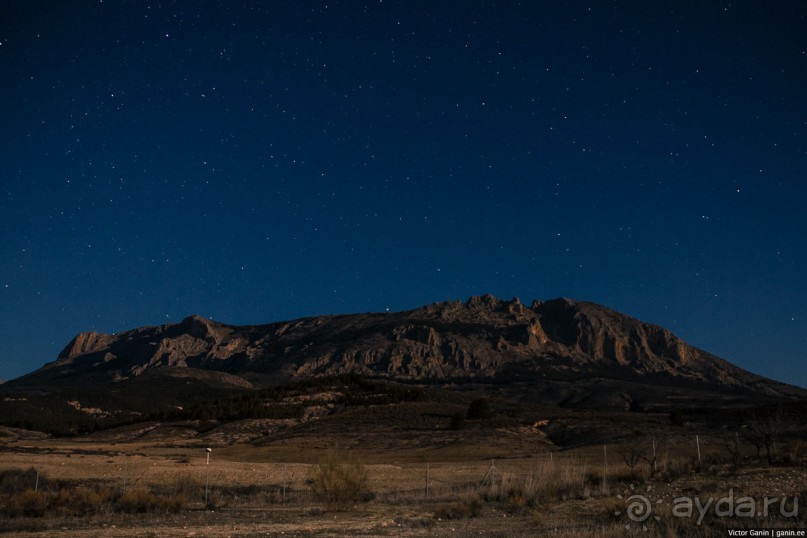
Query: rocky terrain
[[569, 399], [559, 351]]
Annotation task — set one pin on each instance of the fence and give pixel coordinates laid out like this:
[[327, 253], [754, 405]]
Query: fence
[[249, 484]]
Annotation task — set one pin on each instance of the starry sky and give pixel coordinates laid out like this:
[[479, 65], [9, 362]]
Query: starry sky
[[256, 161]]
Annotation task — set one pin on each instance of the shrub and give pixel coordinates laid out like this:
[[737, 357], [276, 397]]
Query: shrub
[[469, 505], [16, 480], [142, 500], [187, 487], [28, 503], [138, 500], [79, 501], [338, 485], [547, 483], [674, 469]]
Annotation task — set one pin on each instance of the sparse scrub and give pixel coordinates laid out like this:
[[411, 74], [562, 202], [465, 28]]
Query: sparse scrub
[[548, 483], [80, 501], [216, 500], [143, 500], [187, 487], [138, 500], [671, 470], [338, 484], [16, 480], [570, 495], [27, 503], [794, 452], [468, 505]]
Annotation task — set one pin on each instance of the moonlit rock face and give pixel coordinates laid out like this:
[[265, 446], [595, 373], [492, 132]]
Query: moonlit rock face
[[86, 342], [484, 339]]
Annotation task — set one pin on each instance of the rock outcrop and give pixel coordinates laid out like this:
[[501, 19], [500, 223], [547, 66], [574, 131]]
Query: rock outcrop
[[484, 339]]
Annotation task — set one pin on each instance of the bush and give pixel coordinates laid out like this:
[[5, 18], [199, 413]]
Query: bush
[[469, 505], [80, 501], [16, 480], [546, 484], [28, 503], [339, 485], [138, 500], [142, 500], [187, 487]]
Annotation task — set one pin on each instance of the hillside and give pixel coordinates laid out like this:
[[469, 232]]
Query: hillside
[[558, 349]]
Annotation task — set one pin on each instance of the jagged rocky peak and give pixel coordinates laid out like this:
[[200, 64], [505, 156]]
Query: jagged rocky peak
[[85, 342], [491, 303], [483, 301], [196, 326]]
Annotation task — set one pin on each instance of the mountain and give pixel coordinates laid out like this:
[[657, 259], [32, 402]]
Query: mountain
[[559, 351]]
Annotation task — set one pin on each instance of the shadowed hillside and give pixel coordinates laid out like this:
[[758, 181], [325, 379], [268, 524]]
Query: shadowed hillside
[[559, 352]]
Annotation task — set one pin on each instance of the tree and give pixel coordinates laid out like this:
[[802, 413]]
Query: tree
[[632, 455], [763, 432]]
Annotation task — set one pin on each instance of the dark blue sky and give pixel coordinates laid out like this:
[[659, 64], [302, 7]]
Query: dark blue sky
[[258, 161]]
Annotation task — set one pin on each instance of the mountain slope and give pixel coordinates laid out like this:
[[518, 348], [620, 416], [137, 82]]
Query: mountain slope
[[560, 350]]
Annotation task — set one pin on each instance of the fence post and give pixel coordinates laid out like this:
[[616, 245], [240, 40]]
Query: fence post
[[605, 457], [125, 473], [427, 480], [698, 442], [207, 476]]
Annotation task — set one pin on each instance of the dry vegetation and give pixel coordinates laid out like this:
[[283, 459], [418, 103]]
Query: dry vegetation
[[153, 489], [348, 457]]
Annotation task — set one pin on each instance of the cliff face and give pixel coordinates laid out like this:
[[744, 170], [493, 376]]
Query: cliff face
[[483, 339], [85, 343]]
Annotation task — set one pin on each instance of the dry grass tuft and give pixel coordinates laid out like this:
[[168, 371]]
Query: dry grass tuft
[[468, 505], [339, 485]]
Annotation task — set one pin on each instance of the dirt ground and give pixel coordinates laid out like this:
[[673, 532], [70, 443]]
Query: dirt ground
[[256, 495]]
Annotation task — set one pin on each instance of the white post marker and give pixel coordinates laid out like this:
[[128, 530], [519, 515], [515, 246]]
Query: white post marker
[[207, 474]]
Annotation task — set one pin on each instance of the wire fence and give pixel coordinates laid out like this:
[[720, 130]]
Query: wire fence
[[249, 484]]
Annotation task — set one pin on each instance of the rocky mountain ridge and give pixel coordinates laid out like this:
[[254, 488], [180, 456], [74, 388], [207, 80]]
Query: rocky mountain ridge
[[483, 339]]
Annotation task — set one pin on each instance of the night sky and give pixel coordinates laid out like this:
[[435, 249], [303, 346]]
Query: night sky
[[257, 161]]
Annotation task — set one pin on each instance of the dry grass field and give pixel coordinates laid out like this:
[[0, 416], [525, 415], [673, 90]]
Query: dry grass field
[[156, 486]]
